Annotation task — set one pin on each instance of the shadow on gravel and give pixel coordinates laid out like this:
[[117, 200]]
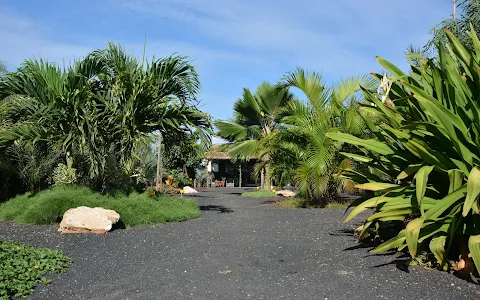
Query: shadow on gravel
[[235, 193], [342, 232], [401, 264], [221, 209], [118, 225]]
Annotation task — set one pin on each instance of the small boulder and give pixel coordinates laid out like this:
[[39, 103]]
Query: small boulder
[[86, 219], [189, 190], [286, 193]]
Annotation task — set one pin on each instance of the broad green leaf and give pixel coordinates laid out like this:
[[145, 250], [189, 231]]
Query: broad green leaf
[[356, 157], [473, 189], [456, 179], [391, 243], [370, 144], [396, 213], [437, 246], [372, 203], [376, 186], [474, 247], [390, 67], [443, 204], [412, 231], [421, 179], [410, 170]]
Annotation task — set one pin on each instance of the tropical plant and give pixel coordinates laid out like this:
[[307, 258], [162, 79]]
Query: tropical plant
[[458, 25], [101, 109], [301, 145], [256, 118], [426, 156], [182, 151], [24, 266]]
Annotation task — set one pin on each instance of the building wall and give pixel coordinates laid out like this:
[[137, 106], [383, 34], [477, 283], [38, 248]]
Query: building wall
[[230, 171]]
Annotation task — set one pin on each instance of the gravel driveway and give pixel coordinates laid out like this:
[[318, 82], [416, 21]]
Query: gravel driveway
[[238, 249]]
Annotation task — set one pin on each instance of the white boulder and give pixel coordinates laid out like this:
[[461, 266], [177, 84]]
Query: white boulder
[[189, 190], [286, 193], [86, 219]]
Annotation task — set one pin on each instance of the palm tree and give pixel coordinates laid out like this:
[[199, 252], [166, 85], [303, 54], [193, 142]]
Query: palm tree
[[102, 107], [458, 25], [3, 68], [313, 156], [256, 119]]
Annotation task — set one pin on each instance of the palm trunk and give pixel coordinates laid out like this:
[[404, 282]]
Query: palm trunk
[[268, 179], [262, 179], [159, 182]]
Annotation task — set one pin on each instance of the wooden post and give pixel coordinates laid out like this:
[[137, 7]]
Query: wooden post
[[159, 181], [240, 175]]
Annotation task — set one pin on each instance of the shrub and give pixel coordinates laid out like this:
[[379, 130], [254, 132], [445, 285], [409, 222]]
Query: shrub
[[48, 207], [64, 175], [23, 266], [425, 158]]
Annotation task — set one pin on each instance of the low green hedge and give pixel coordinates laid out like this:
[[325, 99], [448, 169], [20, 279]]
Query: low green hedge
[[259, 194], [48, 207]]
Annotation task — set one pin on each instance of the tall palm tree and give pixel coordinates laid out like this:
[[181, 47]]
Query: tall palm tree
[[101, 107], [256, 119], [313, 156]]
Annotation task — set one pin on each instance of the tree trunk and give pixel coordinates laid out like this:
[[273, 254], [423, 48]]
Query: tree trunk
[[262, 179], [240, 175], [159, 182], [268, 180]]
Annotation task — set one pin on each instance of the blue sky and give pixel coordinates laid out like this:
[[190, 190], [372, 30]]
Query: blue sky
[[234, 43]]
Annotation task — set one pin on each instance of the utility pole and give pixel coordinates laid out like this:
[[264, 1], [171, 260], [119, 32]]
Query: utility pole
[[454, 10], [159, 182]]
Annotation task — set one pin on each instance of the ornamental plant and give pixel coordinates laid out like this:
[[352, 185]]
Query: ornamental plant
[[24, 266], [423, 166]]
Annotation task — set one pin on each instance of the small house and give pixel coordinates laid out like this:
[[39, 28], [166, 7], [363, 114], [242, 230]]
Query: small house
[[233, 173]]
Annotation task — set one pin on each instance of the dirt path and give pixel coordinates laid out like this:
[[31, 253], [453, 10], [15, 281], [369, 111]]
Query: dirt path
[[238, 249]]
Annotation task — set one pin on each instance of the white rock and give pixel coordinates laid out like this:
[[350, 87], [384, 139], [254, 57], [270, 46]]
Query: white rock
[[87, 219], [286, 193], [189, 190]]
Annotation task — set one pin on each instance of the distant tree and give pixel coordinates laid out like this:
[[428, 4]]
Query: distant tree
[[457, 24], [3, 68], [256, 119], [182, 151]]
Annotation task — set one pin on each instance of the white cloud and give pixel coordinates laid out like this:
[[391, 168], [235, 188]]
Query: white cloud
[[336, 37]]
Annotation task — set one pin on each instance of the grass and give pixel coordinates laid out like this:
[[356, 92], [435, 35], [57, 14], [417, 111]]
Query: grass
[[302, 203], [23, 267], [48, 207], [259, 194]]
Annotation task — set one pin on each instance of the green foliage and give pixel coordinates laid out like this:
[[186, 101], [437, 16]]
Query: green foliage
[[3, 68], [301, 150], [48, 206], [33, 162], [296, 202], [63, 175], [182, 151], [180, 178], [425, 155], [103, 109], [259, 194], [469, 15], [256, 117], [24, 266]]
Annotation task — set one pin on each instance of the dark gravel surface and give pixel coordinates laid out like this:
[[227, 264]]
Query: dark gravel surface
[[238, 249]]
